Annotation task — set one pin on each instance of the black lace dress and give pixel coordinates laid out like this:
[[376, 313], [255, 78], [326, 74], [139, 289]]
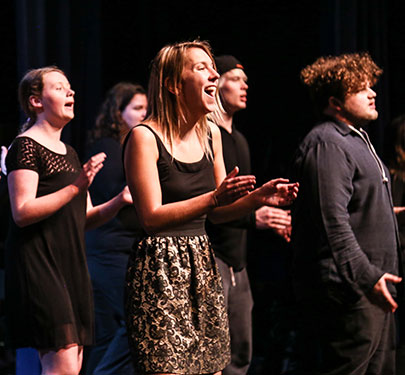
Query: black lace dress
[[48, 290], [176, 317]]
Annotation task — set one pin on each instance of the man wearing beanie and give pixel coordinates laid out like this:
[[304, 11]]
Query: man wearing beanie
[[229, 240]]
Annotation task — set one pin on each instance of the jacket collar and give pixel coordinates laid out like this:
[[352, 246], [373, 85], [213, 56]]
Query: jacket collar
[[340, 126]]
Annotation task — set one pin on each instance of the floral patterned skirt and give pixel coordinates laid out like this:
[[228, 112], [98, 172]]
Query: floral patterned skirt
[[176, 317]]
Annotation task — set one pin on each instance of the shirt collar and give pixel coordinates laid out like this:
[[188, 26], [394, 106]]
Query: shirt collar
[[340, 126]]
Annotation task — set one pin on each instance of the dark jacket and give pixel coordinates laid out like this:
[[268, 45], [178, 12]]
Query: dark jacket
[[345, 234]]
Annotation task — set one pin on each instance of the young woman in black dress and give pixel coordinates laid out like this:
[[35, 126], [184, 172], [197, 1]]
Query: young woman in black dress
[[108, 246], [176, 319], [48, 293]]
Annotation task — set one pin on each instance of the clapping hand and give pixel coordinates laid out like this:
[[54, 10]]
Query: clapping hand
[[278, 192], [232, 188], [89, 171]]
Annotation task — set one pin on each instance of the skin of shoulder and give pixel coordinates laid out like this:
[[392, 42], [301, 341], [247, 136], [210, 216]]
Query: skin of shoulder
[[216, 138]]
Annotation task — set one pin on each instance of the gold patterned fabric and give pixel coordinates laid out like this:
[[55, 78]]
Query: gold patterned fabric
[[176, 315]]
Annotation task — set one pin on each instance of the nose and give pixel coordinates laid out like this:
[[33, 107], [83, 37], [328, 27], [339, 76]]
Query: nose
[[143, 114], [214, 75], [245, 85], [371, 93], [71, 92]]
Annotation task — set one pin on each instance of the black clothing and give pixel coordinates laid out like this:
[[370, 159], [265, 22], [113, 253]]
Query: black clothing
[[48, 291], [229, 240], [398, 196], [108, 248], [239, 301], [345, 233], [176, 317], [346, 339], [344, 239], [116, 237]]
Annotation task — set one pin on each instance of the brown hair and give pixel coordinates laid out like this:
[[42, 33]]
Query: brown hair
[[164, 107], [109, 122], [32, 84], [339, 76]]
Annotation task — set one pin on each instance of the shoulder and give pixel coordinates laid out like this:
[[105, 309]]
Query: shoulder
[[326, 132], [214, 129], [23, 146], [144, 133], [141, 137], [239, 137], [23, 154], [215, 135]]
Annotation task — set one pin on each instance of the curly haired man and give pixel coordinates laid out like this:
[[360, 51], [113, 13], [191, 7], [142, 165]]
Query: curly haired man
[[345, 235]]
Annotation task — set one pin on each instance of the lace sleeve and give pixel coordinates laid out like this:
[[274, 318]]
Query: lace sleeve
[[22, 155]]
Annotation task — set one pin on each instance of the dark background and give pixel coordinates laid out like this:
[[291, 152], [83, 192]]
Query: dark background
[[100, 42]]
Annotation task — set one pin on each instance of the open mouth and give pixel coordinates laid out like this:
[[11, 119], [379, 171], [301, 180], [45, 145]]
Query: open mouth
[[69, 105], [210, 90]]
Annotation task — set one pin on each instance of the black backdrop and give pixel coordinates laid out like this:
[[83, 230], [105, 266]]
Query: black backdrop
[[99, 42]]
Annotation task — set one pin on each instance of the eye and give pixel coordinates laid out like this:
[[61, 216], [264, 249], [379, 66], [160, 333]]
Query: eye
[[201, 67]]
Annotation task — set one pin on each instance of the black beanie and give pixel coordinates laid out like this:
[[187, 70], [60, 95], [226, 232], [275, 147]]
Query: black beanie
[[225, 63]]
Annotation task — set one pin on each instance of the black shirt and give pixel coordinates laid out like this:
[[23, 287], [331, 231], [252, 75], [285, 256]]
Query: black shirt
[[345, 234], [115, 237], [229, 240]]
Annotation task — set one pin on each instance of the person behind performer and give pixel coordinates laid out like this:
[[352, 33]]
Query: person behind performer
[[344, 231], [177, 322], [108, 246], [49, 303], [396, 162], [229, 240]]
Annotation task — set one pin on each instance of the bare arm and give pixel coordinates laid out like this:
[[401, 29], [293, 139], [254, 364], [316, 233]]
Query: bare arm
[[28, 209], [98, 215], [141, 155]]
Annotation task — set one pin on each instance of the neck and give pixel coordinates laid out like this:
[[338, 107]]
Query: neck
[[46, 128], [227, 120], [187, 127], [338, 115]]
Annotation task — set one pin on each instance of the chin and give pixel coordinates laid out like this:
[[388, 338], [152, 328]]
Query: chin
[[210, 108]]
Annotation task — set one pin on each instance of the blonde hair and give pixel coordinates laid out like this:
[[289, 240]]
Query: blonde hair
[[32, 84], [165, 108], [217, 116]]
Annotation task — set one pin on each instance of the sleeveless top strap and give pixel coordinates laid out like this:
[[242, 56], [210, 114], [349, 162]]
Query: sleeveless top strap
[[124, 144]]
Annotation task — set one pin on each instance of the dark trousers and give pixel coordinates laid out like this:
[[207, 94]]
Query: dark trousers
[[239, 303], [110, 355], [345, 339]]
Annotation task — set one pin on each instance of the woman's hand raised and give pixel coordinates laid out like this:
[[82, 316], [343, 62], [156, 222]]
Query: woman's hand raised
[[89, 171], [232, 188]]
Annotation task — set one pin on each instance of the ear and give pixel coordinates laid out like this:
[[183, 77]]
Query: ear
[[335, 103], [35, 101], [169, 85]]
